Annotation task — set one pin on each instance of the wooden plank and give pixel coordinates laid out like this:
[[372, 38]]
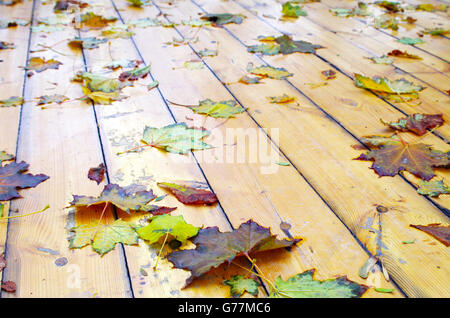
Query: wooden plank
[[435, 75], [436, 45], [242, 188], [323, 157], [307, 68], [62, 142]]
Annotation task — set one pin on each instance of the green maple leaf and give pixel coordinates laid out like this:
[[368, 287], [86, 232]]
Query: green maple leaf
[[290, 10], [138, 3], [86, 43], [433, 188], [103, 238], [176, 138], [223, 109], [410, 41], [239, 285], [123, 198], [162, 225], [287, 45], [265, 48], [305, 286], [11, 102], [4, 156]]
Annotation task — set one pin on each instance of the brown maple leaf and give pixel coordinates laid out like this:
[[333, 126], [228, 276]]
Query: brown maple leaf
[[393, 155], [97, 174], [417, 123], [189, 195], [215, 248], [12, 179], [9, 286], [438, 231], [123, 198]]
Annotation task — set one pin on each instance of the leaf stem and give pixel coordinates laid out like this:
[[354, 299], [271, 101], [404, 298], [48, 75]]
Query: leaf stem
[[160, 251], [132, 149], [20, 216]]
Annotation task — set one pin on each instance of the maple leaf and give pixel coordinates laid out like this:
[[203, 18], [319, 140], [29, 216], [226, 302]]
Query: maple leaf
[[360, 11], [271, 72], [138, 3], [86, 43], [287, 45], [384, 59], [5, 157], [123, 198], [249, 80], [189, 195], [410, 41], [13, 23], [224, 18], [116, 33], [214, 248], [206, 53], [9, 286], [92, 21], [176, 138], [11, 102], [393, 155], [265, 48], [386, 22], [12, 178], [197, 23], [404, 54], [283, 99], [123, 64], [135, 74], [292, 11], [96, 82], [379, 84], [39, 64], [433, 188], [438, 231], [223, 109], [103, 238], [102, 98], [6, 45], [417, 123], [163, 225], [239, 285], [390, 6], [305, 286], [55, 98], [97, 174]]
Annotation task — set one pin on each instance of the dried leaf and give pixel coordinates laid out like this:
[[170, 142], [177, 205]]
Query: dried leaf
[[436, 230], [404, 54], [114, 65], [176, 138], [250, 80], [103, 238], [6, 45], [12, 178], [417, 123], [11, 102], [410, 41], [13, 23], [123, 198], [86, 43], [288, 46], [223, 109], [55, 98], [224, 18], [379, 84], [92, 21], [135, 74], [384, 59], [289, 9], [5, 157], [305, 286], [189, 195], [271, 72], [239, 285], [9, 286], [194, 65], [215, 248], [97, 174], [283, 99], [138, 3], [162, 225], [393, 156], [102, 98]]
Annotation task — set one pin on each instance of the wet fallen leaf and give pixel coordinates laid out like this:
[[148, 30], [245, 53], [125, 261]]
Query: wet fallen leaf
[[176, 138], [239, 285], [12, 178], [379, 84], [92, 21], [282, 99], [114, 65], [102, 98], [436, 230], [435, 31], [289, 9], [123, 198], [384, 59], [393, 155], [97, 174], [103, 238], [189, 195], [214, 248], [250, 80], [162, 225], [271, 72], [222, 109], [6, 45], [9, 286], [417, 123], [305, 286], [410, 41], [4, 156], [39, 64], [207, 52], [135, 74], [144, 22], [117, 33]]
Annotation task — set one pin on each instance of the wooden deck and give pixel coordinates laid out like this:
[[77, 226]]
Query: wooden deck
[[324, 195]]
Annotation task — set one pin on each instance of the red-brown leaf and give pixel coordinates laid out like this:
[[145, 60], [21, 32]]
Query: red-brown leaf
[[417, 123], [189, 195], [97, 174], [9, 286], [438, 231]]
